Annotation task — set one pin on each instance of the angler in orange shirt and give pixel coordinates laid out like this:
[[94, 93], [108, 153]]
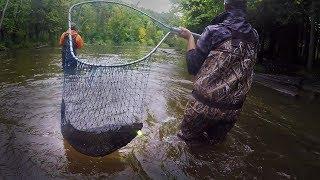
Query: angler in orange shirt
[[77, 40], [68, 63]]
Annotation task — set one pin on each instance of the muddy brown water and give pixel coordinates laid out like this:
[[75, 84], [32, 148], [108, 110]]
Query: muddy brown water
[[276, 137]]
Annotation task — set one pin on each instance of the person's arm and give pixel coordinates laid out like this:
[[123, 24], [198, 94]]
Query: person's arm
[[79, 42], [61, 41], [186, 34], [197, 53]]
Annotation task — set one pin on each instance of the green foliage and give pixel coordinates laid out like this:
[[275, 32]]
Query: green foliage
[[267, 13], [2, 47], [105, 23], [29, 22], [199, 13], [283, 25]]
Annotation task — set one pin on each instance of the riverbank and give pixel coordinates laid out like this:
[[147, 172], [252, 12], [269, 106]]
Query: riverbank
[[29, 45], [292, 86]]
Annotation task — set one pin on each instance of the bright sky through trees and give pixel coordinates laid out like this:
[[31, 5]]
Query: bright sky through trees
[[155, 5]]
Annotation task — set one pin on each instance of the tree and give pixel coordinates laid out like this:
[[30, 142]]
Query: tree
[[288, 28], [312, 36], [3, 13], [33, 22]]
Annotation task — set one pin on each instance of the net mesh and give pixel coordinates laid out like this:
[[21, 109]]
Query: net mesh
[[103, 98], [102, 107]]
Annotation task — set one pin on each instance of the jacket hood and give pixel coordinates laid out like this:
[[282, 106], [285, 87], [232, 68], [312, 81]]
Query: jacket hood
[[235, 20]]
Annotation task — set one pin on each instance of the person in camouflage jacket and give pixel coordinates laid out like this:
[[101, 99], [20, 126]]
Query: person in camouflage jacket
[[222, 61]]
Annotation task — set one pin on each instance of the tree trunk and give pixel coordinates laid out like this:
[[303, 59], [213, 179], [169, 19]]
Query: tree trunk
[[302, 42], [298, 47], [272, 45], [317, 50], [261, 51], [312, 37], [3, 12]]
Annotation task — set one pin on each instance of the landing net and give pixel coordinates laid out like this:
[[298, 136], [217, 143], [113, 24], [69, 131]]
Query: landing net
[[103, 98]]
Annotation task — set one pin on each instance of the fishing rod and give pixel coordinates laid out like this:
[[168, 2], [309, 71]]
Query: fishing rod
[[166, 26]]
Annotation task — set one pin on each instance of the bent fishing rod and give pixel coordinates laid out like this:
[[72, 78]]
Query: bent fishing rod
[[175, 30]]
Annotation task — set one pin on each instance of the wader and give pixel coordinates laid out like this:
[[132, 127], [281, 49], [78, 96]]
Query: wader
[[220, 89], [68, 63]]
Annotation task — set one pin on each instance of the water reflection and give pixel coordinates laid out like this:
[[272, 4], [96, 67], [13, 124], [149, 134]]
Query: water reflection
[[87, 165], [20, 66]]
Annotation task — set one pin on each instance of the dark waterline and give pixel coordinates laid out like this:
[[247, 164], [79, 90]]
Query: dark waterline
[[276, 137]]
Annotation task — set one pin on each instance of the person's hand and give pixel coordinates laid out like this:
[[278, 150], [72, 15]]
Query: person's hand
[[69, 31], [185, 33]]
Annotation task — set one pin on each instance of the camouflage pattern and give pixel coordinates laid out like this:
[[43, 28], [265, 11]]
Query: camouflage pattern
[[221, 86], [205, 124], [226, 76]]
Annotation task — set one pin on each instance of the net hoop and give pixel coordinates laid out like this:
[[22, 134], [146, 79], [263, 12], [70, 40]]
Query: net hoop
[[103, 104], [172, 29]]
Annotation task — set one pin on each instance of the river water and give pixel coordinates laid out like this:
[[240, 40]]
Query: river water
[[276, 137]]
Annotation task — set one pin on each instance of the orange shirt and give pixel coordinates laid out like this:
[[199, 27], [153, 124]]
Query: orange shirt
[[75, 36]]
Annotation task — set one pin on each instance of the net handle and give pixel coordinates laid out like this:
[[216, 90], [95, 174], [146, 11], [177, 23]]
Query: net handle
[[171, 29]]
